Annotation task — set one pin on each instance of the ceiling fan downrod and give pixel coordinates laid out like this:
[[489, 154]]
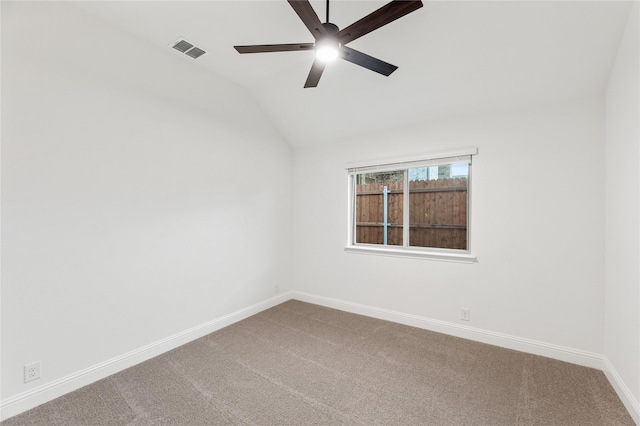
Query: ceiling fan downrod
[[327, 11], [328, 26]]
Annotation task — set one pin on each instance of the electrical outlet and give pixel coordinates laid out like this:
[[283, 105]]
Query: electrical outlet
[[464, 314], [277, 288], [31, 372]]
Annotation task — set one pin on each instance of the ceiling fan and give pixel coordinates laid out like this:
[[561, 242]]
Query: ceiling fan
[[331, 41]]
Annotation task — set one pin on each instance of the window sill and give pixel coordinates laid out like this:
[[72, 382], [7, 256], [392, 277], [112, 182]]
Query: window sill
[[416, 254]]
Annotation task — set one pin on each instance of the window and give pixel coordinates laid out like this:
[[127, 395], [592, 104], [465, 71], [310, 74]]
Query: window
[[417, 207]]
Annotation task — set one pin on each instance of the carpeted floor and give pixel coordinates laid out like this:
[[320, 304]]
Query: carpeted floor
[[302, 364]]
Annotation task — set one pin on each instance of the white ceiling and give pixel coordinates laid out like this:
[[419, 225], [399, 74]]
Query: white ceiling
[[455, 58]]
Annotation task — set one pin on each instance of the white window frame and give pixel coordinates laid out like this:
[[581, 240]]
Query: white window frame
[[431, 253]]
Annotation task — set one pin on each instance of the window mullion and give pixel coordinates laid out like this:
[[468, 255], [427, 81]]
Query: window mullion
[[351, 238], [405, 210]]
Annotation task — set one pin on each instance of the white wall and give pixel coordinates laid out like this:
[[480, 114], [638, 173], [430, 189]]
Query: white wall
[[537, 227], [141, 196], [622, 240], [136, 204]]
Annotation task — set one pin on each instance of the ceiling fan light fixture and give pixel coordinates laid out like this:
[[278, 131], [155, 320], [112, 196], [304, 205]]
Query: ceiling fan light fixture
[[327, 49]]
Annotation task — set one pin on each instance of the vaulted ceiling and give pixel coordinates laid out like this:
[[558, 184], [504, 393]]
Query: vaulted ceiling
[[455, 58]]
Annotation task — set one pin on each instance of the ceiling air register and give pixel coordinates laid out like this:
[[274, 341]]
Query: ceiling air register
[[188, 48]]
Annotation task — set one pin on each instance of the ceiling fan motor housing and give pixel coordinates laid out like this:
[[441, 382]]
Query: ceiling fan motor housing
[[331, 28]]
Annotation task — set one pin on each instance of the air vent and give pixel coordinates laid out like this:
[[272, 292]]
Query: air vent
[[195, 53], [182, 46], [187, 48]]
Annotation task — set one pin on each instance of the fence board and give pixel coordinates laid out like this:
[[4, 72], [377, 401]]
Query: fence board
[[437, 213]]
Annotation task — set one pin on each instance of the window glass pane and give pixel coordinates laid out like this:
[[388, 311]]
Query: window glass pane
[[378, 208], [438, 206]]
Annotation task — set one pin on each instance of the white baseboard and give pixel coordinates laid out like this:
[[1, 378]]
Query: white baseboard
[[562, 353], [49, 391], [627, 398]]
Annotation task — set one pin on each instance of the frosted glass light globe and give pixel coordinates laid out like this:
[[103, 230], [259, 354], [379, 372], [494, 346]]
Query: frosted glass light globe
[[327, 50]]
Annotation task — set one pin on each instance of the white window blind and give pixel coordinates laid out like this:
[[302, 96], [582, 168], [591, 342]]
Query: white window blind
[[458, 157]]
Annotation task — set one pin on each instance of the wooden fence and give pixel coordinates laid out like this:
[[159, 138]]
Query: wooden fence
[[437, 213]]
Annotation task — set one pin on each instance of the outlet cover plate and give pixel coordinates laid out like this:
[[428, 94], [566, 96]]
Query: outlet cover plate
[[464, 314], [31, 372]]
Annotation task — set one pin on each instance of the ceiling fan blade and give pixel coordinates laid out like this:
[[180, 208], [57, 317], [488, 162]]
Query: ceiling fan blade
[[261, 48], [308, 15], [315, 73], [386, 14], [366, 61]]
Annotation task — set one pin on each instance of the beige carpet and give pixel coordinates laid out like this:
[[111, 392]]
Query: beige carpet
[[302, 364]]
